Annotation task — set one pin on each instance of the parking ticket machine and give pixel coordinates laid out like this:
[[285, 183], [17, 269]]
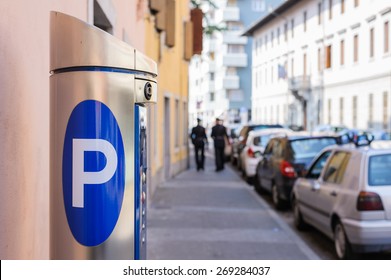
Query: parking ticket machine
[[99, 91]]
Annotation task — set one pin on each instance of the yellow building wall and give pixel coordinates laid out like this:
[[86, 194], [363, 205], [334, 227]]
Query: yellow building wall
[[173, 84]]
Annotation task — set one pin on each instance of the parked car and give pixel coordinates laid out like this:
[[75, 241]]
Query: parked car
[[255, 146], [346, 194], [239, 143], [284, 158]]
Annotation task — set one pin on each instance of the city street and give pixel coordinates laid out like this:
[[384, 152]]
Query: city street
[[209, 215]]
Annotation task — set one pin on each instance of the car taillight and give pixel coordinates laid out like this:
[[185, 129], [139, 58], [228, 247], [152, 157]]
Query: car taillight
[[250, 153], [369, 201], [287, 169]]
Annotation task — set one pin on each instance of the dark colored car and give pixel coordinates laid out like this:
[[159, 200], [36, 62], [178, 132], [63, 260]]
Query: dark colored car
[[284, 159], [240, 142]]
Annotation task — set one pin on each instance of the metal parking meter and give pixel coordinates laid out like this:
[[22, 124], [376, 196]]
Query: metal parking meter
[[99, 89]]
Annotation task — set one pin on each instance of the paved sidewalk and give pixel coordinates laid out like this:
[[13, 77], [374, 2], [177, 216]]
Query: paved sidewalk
[[207, 215]]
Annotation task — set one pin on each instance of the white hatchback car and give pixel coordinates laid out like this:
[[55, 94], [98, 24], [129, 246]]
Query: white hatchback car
[[255, 145], [346, 194]]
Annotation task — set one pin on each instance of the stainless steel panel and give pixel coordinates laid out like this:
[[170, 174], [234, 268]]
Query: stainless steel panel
[[115, 90], [75, 43]]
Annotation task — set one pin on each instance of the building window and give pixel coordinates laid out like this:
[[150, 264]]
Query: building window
[[177, 116], [272, 39], [101, 20], [342, 6], [286, 31], [329, 111], [370, 116], [328, 57], [342, 52], [341, 110], [235, 49], [212, 96], [260, 45], [304, 64], [371, 42], [265, 75], [286, 68], [354, 111], [305, 21], [258, 5], [319, 13], [356, 3], [265, 42], [185, 123], [355, 48], [386, 37], [319, 60], [385, 110], [293, 27], [330, 9], [278, 35]]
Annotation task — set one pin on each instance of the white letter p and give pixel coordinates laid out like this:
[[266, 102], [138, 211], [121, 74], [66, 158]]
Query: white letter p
[[80, 177]]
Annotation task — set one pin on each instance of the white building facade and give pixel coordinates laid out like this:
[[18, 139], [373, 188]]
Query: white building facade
[[220, 79], [323, 62]]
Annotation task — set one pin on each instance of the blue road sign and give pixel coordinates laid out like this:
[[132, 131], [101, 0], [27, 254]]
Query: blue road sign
[[93, 173]]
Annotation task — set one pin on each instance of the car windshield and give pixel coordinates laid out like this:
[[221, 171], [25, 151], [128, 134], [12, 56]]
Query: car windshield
[[379, 170], [261, 141], [266, 126], [308, 148]]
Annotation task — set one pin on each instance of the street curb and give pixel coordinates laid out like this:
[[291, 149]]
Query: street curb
[[297, 239]]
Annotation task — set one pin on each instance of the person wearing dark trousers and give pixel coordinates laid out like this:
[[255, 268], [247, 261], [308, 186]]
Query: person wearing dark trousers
[[219, 134], [198, 138]]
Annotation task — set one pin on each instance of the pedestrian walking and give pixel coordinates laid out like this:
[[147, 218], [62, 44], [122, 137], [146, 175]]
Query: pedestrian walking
[[198, 138], [219, 135]]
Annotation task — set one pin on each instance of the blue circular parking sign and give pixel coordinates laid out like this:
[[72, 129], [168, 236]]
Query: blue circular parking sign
[[93, 172]]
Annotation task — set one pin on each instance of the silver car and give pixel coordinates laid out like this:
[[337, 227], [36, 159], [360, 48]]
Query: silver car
[[346, 194]]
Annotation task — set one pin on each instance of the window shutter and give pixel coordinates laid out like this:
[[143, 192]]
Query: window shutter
[[188, 40], [170, 23], [196, 18]]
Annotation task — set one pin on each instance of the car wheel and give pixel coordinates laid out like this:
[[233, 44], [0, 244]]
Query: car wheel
[[239, 164], [233, 160], [278, 203], [257, 184], [341, 243], [297, 216]]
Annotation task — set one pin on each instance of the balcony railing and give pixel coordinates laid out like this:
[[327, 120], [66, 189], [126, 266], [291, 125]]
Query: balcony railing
[[231, 82], [300, 83], [235, 60], [228, 14], [234, 37]]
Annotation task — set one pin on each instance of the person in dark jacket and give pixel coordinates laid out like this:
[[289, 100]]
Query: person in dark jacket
[[198, 138], [219, 135]]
